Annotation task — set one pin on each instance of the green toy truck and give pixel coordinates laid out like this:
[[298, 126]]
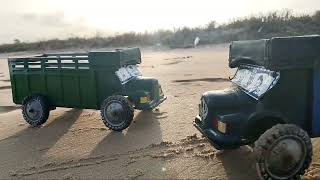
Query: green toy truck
[[274, 102], [109, 81]]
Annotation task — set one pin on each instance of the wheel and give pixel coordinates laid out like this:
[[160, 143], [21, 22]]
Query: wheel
[[117, 112], [35, 110], [283, 152]]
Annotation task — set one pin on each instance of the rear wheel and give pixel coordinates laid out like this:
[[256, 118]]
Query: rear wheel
[[283, 152], [117, 112], [35, 110]]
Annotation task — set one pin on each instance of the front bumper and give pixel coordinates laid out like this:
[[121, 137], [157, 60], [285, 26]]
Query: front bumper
[[152, 104], [156, 103], [218, 140]]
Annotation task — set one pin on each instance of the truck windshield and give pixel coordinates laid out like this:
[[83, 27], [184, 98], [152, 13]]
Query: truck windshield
[[125, 74], [255, 81]]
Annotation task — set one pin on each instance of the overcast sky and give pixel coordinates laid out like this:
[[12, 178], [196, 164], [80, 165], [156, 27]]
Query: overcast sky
[[32, 20]]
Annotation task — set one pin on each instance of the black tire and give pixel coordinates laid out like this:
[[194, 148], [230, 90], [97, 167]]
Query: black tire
[[283, 152], [35, 110], [117, 112]]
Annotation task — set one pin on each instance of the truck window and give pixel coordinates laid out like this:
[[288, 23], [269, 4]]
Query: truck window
[[125, 74], [255, 81]]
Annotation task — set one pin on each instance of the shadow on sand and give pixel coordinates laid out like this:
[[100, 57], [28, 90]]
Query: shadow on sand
[[6, 109], [239, 163], [37, 141], [202, 79], [144, 130]]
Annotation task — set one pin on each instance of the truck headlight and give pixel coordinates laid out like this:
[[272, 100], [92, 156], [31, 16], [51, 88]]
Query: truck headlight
[[222, 127]]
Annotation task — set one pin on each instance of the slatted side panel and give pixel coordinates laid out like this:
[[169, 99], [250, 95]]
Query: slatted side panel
[[66, 80]]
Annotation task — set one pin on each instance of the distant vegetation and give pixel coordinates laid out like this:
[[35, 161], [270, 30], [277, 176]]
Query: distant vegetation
[[283, 23]]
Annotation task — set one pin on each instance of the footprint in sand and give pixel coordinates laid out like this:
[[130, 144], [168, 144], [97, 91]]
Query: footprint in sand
[[187, 74], [177, 60]]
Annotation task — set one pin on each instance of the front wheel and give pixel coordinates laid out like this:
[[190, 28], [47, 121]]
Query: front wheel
[[117, 112], [283, 152]]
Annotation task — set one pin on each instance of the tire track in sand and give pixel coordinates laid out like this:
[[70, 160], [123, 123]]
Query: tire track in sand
[[191, 146]]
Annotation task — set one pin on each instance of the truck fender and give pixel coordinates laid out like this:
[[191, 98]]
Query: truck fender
[[51, 106], [258, 123]]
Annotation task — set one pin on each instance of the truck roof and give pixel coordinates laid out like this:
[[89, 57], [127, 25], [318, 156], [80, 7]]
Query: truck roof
[[115, 58], [276, 53]]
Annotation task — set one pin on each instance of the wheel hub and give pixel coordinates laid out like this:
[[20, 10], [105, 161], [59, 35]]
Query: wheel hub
[[114, 113], [286, 157], [34, 109]]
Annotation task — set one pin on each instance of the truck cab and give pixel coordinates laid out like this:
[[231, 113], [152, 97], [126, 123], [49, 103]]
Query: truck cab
[[274, 94]]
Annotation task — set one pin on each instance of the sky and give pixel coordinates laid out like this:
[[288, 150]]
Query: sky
[[34, 20]]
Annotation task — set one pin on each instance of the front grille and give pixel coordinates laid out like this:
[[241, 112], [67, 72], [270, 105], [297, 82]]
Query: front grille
[[203, 109]]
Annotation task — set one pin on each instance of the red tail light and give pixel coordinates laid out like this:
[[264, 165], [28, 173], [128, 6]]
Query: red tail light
[[215, 122]]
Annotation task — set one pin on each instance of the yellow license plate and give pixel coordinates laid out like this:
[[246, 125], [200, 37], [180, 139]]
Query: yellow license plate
[[144, 100]]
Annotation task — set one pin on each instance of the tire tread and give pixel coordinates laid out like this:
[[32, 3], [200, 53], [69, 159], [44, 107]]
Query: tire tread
[[263, 144], [128, 110]]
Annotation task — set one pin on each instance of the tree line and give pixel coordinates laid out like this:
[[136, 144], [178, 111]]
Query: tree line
[[278, 23]]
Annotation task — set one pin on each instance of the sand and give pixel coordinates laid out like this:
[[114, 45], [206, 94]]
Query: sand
[[74, 144]]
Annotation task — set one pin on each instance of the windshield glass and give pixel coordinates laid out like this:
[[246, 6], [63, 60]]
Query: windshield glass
[[125, 74], [255, 81]]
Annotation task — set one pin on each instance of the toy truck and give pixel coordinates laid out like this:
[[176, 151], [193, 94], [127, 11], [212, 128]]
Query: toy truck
[[273, 102], [107, 81]]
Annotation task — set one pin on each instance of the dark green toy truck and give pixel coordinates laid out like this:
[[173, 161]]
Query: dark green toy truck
[[274, 102], [109, 81]]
